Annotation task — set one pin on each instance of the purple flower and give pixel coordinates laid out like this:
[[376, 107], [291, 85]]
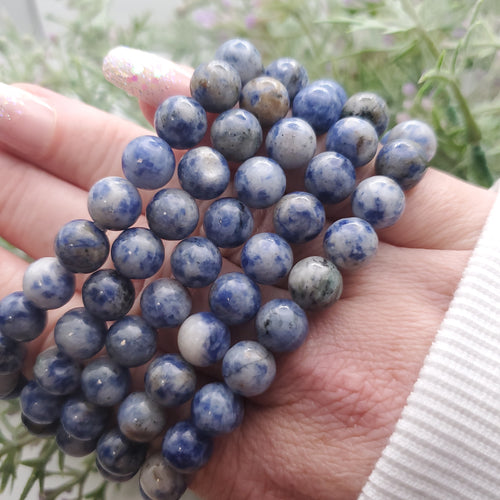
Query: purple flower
[[206, 18]]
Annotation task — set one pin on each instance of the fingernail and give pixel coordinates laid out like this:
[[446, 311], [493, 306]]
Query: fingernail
[[146, 76], [27, 123]]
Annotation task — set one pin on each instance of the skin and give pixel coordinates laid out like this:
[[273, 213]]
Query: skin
[[320, 428]]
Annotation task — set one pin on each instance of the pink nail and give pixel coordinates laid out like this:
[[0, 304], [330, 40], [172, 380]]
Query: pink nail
[[27, 123], [146, 76]]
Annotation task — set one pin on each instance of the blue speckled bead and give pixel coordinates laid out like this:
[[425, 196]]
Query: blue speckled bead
[[114, 203], [291, 142], [131, 341], [81, 246], [379, 200], [266, 258], [354, 138], [72, 446], [350, 242], [12, 355], [104, 382], [290, 73], [79, 334], [248, 368], [158, 481], [234, 298], [334, 87], [236, 134], [196, 262], [8, 384], [140, 418], [203, 173], [180, 121], [319, 105], [20, 319], [228, 222], [260, 182], [216, 409], [40, 430], [298, 217], [416, 131], [281, 325], [56, 373], [148, 162], [165, 303], [170, 380], [186, 448], [330, 177], [216, 85], [203, 339], [82, 419], [172, 214], [402, 160], [38, 405], [315, 283], [369, 106], [137, 253], [108, 295], [243, 56], [48, 284]]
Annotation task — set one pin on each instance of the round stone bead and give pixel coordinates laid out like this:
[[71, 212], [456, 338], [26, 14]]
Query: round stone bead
[[196, 262], [243, 56], [48, 284], [148, 162], [369, 106], [379, 200], [131, 341], [20, 319], [260, 182], [185, 448], [334, 87], [291, 142], [140, 418], [290, 73], [180, 121], [203, 173], [114, 478], [417, 131], [114, 203], [159, 481], [40, 430], [81, 246], [319, 105], [266, 98], [12, 355], [203, 339], [56, 373], [104, 382], [216, 409], [8, 384], [330, 177], [73, 446], [82, 419], [170, 380], [39, 406], [165, 303], [137, 253], [228, 223], [314, 283], [281, 325], [266, 258], [402, 160], [298, 217], [248, 368], [108, 295], [172, 214], [234, 298], [354, 138], [236, 134], [350, 242], [78, 334], [216, 85]]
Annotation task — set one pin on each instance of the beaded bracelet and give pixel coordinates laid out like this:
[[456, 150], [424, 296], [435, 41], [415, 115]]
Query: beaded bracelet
[[75, 386]]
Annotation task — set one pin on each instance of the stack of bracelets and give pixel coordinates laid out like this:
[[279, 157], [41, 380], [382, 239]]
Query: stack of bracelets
[[78, 383]]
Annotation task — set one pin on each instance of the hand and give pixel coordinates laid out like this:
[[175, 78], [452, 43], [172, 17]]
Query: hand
[[318, 431]]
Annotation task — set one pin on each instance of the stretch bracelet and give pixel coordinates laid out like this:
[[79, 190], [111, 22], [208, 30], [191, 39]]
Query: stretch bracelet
[[80, 389]]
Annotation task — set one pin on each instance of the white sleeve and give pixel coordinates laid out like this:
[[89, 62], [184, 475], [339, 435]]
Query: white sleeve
[[446, 444]]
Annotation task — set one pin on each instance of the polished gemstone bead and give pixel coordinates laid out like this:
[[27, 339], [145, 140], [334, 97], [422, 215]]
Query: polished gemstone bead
[[40, 430], [114, 478], [417, 131], [290, 73], [40, 406], [72, 446], [8, 384], [369, 106], [82, 419], [12, 355], [159, 481], [334, 87]]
